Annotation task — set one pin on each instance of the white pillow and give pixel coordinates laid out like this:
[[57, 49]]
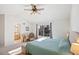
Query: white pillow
[[41, 39]]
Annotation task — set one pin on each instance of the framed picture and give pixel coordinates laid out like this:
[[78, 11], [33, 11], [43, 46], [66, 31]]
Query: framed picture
[[27, 28]]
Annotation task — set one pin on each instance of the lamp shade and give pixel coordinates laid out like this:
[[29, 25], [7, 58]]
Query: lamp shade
[[75, 48]]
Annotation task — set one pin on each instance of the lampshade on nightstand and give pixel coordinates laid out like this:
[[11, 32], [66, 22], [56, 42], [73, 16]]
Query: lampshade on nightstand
[[75, 48]]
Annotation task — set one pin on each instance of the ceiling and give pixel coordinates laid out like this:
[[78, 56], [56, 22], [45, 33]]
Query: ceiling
[[51, 12]]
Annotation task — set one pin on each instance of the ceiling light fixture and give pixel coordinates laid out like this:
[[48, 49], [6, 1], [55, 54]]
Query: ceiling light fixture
[[34, 9]]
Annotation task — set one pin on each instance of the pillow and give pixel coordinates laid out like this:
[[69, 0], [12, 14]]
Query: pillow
[[41, 39]]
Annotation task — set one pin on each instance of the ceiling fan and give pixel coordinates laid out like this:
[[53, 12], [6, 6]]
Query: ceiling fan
[[34, 9]]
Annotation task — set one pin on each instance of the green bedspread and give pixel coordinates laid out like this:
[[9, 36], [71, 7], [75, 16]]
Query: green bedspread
[[48, 47]]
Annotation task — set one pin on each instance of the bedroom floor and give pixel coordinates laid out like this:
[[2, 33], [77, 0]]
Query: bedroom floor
[[5, 50]]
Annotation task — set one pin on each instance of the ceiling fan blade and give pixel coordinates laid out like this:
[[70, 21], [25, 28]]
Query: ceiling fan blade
[[39, 4], [40, 9], [28, 9]]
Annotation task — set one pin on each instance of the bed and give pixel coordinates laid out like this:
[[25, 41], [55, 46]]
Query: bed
[[47, 46]]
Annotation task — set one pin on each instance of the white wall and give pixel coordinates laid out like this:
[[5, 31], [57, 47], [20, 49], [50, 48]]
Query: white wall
[[2, 19], [75, 18], [10, 22], [74, 22]]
